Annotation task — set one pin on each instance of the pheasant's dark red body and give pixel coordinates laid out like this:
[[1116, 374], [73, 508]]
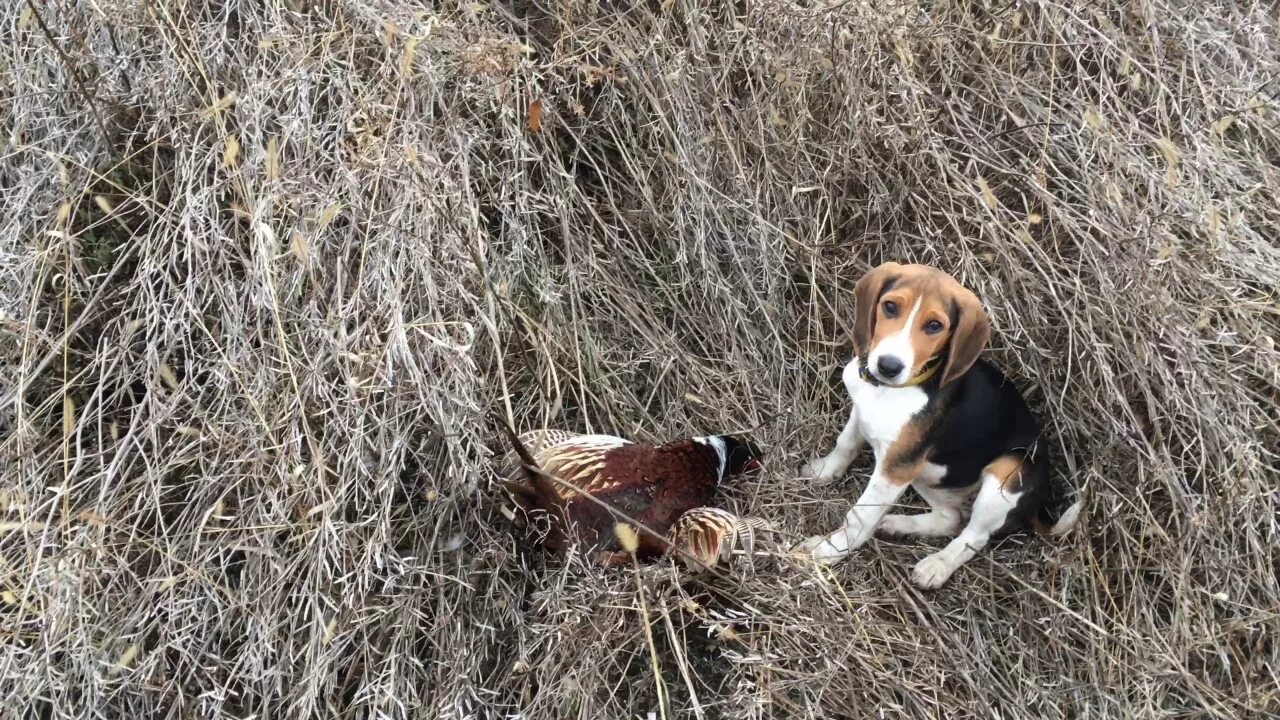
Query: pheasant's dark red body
[[653, 485], [656, 486]]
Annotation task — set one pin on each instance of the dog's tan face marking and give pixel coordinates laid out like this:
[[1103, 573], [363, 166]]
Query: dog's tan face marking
[[909, 314], [921, 302]]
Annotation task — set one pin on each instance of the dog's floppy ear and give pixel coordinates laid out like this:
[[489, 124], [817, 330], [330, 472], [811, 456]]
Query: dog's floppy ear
[[866, 295], [969, 335]]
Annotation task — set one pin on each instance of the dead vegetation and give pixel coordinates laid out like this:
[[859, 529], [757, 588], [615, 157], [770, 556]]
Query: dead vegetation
[[268, 267]]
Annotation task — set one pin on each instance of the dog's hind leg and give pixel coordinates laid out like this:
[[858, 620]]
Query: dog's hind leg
[[998, 495]]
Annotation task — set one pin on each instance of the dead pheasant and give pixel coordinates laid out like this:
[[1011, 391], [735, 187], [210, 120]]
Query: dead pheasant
[[576, 479]]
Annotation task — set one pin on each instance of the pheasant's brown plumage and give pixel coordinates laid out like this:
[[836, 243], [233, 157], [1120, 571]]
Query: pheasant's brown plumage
[[665, 488]]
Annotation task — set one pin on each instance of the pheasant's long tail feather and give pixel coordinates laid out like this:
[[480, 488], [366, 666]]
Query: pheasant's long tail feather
[[537, 478]]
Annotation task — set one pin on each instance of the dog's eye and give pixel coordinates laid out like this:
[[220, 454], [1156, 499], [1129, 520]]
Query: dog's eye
[[933, 327], [890, 308]]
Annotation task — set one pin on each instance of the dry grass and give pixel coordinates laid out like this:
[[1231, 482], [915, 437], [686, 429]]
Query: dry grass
[[267, 268]]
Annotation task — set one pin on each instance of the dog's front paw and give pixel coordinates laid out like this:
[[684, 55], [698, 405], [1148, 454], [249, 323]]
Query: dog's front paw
[[820, 469], [933, 571], [820, 548]]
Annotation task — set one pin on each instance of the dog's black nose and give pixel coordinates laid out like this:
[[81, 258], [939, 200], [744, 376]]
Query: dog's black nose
[[888, 366]]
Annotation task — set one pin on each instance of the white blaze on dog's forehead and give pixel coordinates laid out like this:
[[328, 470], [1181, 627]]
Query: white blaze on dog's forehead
[[899, 344]]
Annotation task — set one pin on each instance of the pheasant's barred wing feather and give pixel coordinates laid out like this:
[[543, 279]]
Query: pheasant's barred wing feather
[[710, 534], [753, 523], [537, 442], [578, 465], [575, 458], [747, 528], [707, 534]]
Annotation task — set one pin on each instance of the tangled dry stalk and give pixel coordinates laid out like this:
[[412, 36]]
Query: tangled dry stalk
[[267, 267]]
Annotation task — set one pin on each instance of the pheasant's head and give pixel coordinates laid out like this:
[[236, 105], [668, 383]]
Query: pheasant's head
[[741, 455]]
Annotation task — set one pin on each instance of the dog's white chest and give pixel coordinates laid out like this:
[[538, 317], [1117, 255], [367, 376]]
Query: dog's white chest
[[882, 411]]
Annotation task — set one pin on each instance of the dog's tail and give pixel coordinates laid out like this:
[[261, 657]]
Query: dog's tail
[[1046, 524]]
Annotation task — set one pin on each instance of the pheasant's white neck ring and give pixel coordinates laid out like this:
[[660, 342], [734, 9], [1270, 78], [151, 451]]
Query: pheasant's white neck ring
[[717, 444]]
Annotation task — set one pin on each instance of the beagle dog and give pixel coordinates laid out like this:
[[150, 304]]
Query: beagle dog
[[938, 419]]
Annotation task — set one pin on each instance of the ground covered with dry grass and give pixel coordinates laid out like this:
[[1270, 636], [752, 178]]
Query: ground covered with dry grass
[[267, 268]]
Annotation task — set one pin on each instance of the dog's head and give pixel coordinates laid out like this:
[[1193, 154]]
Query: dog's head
[[909, 316]]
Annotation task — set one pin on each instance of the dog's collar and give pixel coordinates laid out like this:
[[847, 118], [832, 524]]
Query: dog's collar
[[928, 371]]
